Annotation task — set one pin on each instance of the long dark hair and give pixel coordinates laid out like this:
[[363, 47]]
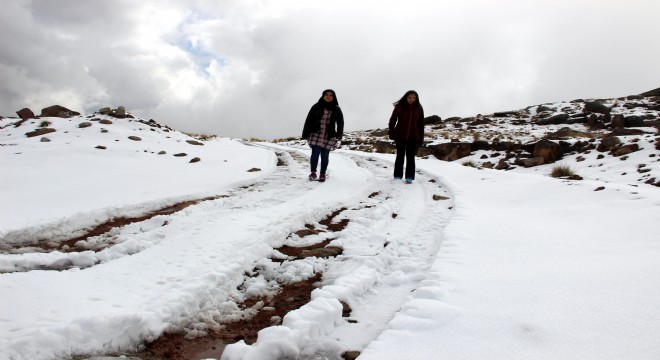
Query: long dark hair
[[404, 100]]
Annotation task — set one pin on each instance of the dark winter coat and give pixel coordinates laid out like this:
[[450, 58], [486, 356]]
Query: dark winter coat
[[335, 128], [407, 123]]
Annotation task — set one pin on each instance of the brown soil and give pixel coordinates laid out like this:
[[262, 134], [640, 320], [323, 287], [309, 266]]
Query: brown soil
[[71, 244], [175, 346]]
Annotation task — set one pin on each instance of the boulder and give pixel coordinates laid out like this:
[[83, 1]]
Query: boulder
[[502, 165], [596, 107], [39, 132], [548, 150], [594, 121], [554, 120], [608, 143], [451, 151], [567, 133], [25, 114], [531, 162], [618, 121], [625, 150], [58, 111], [634, 121], [432, 120], [513, 113]]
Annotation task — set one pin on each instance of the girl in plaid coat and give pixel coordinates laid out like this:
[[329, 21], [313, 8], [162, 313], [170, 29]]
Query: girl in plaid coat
[[323, 130]]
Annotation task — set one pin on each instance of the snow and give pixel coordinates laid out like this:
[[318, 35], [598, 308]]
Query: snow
[[512, 265]]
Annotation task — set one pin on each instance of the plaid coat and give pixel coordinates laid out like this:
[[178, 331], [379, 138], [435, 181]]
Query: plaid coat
[[334, 128]]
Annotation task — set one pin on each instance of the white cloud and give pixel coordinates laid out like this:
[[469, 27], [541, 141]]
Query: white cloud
[[253, 68]]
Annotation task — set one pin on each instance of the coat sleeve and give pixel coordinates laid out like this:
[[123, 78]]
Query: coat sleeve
[[340, 123], [392, 124], [308, 124], [421, 127]]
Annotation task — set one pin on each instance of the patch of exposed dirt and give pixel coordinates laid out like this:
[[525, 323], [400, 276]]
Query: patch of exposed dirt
[[72, 245], [176, 346]]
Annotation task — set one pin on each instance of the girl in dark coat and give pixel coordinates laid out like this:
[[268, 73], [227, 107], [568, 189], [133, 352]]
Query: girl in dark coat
[[323, 129], [406, 128]]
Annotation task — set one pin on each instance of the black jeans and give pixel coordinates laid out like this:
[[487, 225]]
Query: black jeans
[[405, 149]]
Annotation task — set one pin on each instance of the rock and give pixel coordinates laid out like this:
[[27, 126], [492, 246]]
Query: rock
[[487, 165], [101, 147], [618, 122], [600, 188], [120, 112], [39, 132], [531, 162], [513, 113], [432, 120], [345, 309], [135, 138], [195, 159], [45, 139], [350, 355], [437, 197], [543, 108], [566, 133], [548, 150], [384, 147], [451, 151], [608, 143], [105, 122], [502, 165], [554, 120], [85, 124], [180, 154], [625, 150], [25, 114], [254, 170], [194, 142], [58, 111], [162, 152], [595, 122], [634, 121], [105, 111], [596, 107]]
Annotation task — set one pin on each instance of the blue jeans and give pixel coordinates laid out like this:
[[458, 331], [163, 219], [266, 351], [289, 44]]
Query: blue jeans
[[405, 150], [314, 160]]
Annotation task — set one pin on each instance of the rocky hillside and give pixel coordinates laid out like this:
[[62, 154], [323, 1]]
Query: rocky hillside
[[66, 125], [580, 136]]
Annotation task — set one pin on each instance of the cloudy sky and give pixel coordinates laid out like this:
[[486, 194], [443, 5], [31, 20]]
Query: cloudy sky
[[252, 68]]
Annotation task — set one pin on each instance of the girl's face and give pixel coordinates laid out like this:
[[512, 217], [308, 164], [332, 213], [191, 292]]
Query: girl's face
[[328, 96], [411, 99]]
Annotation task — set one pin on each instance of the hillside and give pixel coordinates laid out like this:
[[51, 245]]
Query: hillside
[[122, 238], [580, 134]]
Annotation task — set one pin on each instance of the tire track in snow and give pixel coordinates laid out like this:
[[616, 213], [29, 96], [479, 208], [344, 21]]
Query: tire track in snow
[[390, 242]]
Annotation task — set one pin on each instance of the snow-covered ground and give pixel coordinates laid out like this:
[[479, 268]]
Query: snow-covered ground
[[465, 263]]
